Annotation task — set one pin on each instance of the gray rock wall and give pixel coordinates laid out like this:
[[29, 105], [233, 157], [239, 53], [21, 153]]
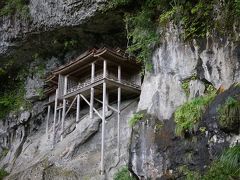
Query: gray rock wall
[[45, 16], [158, 154], [77, 156], [174, 61]]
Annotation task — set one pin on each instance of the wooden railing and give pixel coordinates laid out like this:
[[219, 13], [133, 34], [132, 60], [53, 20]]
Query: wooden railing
[[99, 77], [123, 81]]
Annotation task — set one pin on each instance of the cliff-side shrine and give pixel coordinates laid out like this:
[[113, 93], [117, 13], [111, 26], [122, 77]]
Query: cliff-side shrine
[[100, 76]]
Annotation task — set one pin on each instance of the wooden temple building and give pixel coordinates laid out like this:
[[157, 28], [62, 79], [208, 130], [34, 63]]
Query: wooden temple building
[[100, 76]]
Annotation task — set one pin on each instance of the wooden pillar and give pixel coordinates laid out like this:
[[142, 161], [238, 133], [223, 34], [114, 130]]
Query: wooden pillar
[[65, 85], [78, 109], [92, 91], [105, 71], [59, 116], [55, 116], [64, 106], [118, 121], [103, 128], [107, 101], [119, 112], [91, 103], [119, 73], [93, 72], [11, 138], [104, 68], [48, 117]]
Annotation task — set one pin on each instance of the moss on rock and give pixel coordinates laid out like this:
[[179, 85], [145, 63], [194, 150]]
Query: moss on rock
[[229, 114]]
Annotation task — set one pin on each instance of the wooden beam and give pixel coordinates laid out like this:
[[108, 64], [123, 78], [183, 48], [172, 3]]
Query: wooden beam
[[70, 106], [85, 99], [110, 107]]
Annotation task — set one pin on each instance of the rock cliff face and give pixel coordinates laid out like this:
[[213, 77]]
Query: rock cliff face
[[151, 148], [158, 153], [50, 23], [31, 155]]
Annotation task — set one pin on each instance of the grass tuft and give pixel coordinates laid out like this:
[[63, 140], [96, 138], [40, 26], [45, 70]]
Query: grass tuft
[[135, 118], [123, 174], [188, 115], [227, 167]]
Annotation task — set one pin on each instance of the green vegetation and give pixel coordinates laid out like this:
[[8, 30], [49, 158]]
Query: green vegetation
[[238, 6], [12, 89], [12, 100], [202, 129], [146, 21], [229, 113], [40, 93], [123, 174], [135, 118], [226, 167], [185, 84], [143, 35], [4, 153], [188, 115], [117, 3], [158, 127], [189, 175], [10, 7], [3, 174]]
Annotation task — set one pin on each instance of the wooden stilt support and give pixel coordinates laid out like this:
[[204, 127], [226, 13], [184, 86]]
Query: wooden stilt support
[[91, 103], [103, 128], [92, 91], [63, 118], [107, 101], [48, 117], [64, 107], [59, 116], [5, 141], [118, 122], [119, 111], [104, 68], [78, 109], [55, 116]]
